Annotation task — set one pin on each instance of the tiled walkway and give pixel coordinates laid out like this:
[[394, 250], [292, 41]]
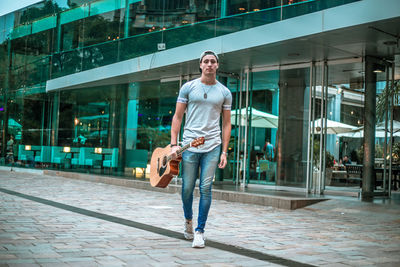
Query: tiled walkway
[[54, 221]]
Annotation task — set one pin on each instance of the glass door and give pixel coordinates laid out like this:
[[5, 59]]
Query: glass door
[[270, 126]]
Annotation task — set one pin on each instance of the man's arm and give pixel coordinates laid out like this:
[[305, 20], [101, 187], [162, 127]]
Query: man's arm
[[176, 126], [226, 135]]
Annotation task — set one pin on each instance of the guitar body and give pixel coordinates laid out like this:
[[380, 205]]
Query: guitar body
[[161, 170], [163, 167]]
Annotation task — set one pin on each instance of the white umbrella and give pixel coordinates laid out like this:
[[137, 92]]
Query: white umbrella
[[379, 132], [13, 123], [396, 126], [259, 119], [360, 134], [333, 127]]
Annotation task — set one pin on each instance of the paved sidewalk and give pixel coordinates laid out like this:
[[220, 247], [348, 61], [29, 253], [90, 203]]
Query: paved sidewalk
[[55, 221]]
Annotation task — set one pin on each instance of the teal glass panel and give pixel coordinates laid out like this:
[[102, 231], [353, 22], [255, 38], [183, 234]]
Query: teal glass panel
[[72, 35], [104, 27], [105, 6], [44, 24], [35, 12], [20, 31], [134, 1], [74, 14], [301, 7]]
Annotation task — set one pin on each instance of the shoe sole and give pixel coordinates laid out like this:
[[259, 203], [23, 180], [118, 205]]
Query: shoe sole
[[189, 236], [197, 246]]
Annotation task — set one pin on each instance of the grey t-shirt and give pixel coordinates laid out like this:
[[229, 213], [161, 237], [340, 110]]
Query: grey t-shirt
[[203, 114]]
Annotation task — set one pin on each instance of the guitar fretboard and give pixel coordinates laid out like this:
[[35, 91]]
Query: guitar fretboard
[[180, 151]]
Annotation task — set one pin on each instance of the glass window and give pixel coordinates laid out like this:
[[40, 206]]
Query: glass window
[[245, 6], [85, 118], [156, 107], [104, 27], [72, 35], [35, 12], [161, 15]]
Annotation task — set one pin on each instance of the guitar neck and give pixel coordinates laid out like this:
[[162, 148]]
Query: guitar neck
[[180, 151]]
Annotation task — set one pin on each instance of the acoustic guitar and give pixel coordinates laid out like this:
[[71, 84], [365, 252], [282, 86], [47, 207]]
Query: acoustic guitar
[[163, 167]]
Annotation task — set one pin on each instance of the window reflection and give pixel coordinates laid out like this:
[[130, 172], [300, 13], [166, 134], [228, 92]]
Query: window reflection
[[150, 16], [156, 108], [85, 118]]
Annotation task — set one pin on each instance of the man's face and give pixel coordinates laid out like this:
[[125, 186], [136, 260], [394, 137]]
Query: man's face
[[209, 64]]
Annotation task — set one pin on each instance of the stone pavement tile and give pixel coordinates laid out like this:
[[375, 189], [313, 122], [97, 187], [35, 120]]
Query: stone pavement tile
[[48, 260], [237, 262], [59, 264], [109, 260], [337, 264], [23, 265], [7, 256], [18, 261]]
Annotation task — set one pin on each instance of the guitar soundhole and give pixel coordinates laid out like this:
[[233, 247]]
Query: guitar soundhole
[[164, 162]]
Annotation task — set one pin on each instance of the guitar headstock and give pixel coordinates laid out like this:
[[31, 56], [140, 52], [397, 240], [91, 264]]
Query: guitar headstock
[[197, 142]]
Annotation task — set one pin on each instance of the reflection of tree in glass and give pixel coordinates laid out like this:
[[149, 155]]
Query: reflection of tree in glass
[[151, 138], [32, 13]]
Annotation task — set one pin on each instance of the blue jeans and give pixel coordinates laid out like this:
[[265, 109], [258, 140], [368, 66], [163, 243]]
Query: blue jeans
[[191, 162]]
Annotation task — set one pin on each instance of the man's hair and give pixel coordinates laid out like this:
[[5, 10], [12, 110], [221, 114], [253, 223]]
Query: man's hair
[[208, 52], [205, 53]]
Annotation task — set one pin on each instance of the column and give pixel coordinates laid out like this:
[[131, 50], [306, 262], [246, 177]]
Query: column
[[369, 129], [290, 166]]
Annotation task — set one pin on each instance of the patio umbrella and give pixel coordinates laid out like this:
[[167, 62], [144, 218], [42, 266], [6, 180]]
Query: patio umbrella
[[379, 131], [396, 126], [333, 127], [13, 123], [259, 119], [360, 134]]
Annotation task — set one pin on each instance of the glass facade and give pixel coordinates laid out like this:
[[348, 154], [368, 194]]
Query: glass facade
[[65, 129]]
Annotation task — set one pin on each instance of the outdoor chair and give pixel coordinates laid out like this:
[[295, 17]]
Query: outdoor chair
[[111, 161], [44, 155]]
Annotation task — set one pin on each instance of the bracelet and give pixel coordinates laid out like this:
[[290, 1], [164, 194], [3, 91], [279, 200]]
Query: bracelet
[[224, 153], [173, 145]]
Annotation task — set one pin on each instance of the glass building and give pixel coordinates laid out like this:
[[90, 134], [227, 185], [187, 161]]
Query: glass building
[[91, 86]]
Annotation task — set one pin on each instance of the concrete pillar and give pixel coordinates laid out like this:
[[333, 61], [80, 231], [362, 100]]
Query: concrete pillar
[[369, 129], [290, 166]]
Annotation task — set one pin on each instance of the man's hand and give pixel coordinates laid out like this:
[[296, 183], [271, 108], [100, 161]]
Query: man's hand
[[173, 153], [223, 161]]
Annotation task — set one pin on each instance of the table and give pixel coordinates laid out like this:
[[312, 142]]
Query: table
[[67, 161], [395, 176], [339, 177]]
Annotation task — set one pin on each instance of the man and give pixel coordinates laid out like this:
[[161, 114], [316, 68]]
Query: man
[[346, 160], [10, 150], [203, 100], [269, 150]]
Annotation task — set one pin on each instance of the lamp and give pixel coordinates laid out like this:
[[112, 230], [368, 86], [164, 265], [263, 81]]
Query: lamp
[[28, 147], [378, 68], [98, 150], [67, 149]]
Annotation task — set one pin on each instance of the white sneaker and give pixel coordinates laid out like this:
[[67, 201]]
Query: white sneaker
[[198, 241], [188, 233]]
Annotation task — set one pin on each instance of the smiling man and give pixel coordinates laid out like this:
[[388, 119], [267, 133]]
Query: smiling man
[[204, 100]]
